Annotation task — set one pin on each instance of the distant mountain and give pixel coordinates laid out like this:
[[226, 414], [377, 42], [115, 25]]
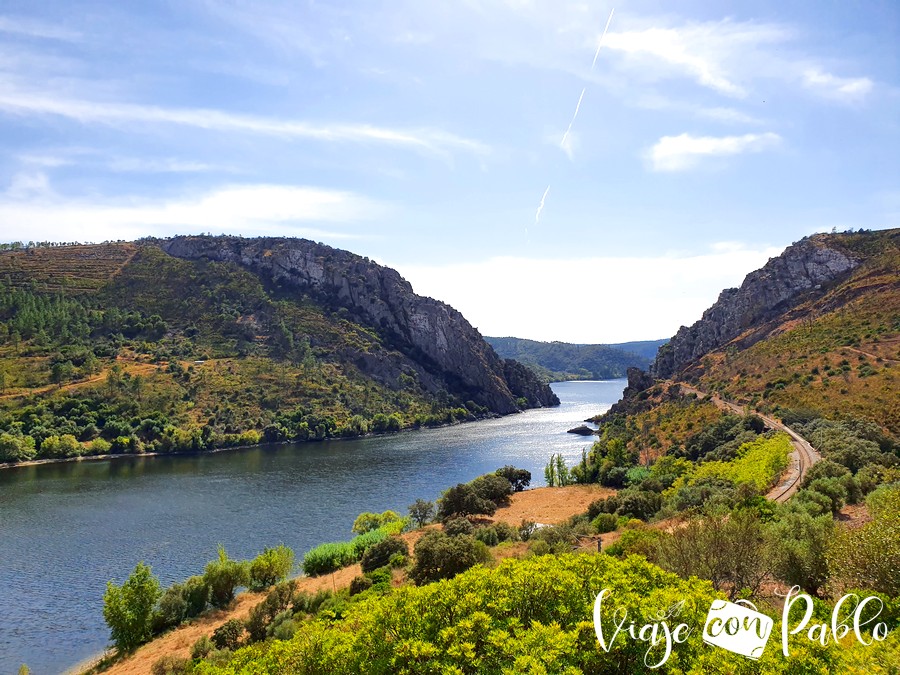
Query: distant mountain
[[194, 343], [558, 361], [645, 348]]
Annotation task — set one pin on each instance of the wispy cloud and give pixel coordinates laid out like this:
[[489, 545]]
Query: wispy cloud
[[32, 205], [96, 112], [37, 29], [706, 52], [677, 153], [845, 89]]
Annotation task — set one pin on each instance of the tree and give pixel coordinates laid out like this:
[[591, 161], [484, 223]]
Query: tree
[[270, 567], [223, 576], [422, 512], [128, 609], [519, 479], [493, 487], [556, 473], [463, 500], [366, 522]]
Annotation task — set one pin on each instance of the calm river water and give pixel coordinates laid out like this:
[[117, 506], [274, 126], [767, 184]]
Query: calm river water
[[66, 529]]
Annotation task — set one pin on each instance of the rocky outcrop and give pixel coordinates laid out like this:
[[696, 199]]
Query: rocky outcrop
[[804, 268], [431, 333]]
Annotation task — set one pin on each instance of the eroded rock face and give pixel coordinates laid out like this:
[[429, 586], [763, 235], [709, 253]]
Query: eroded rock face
[[429, 332], [781, 284]]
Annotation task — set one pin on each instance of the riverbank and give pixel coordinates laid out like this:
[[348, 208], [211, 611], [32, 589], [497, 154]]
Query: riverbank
[[230, 448], [541, 505]]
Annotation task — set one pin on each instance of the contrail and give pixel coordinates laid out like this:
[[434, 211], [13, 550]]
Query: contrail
[[537, 215], [565, 137], [600, 44]]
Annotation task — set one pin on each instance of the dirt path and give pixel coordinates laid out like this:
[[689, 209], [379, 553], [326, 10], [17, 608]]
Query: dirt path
[[802, 458], [131, 367]]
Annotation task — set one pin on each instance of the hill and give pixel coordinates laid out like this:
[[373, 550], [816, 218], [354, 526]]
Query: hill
[[194, 343], [558, 361]]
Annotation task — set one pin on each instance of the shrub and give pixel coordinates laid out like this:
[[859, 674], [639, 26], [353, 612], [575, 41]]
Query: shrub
[[100, 446], [359, 584], [527, 528], [128, 609], [798, 542], [170, 665], [560, 538], [422, 512], [380, 553], [456, 526], [441, 557], [196, 596], [487, 536], [16, 448], [172, 609], [605, 522], [270, 567], [228, 635], [202, 647], [278, 600], [519, 479], [223, 577], [332, 556], [506, 532]]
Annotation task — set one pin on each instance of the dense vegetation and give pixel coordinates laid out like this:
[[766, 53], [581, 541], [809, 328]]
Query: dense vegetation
[[559, 361], [102, 351]]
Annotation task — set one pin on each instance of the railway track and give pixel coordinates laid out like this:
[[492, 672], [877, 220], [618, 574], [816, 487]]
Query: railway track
[[803, 456]]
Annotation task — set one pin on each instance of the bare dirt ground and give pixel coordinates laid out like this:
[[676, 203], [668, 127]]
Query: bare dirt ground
[[550, 505], [541, 505]]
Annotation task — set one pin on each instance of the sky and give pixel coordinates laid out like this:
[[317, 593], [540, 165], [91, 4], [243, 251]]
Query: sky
[[578, 171]]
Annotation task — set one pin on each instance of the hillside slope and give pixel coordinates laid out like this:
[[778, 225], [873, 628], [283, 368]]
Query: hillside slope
[[200, 342], [817, 329], [565, 361]]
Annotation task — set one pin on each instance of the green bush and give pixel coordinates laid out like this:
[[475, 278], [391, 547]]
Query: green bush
[[605, 522], [170, 665], [487, 536], [332, 556], [360, 584], [493, 487], [438, 556], [223, 577], [229, 634], [202, 647], [456, 526], [380, 553], [128, 609], [366, 522], [278, 600], [270, 567]]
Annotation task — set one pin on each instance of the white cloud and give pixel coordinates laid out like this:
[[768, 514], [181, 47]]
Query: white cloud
[[587, 300], [677, 153], [31, 207], [846, 89], [127, 114]]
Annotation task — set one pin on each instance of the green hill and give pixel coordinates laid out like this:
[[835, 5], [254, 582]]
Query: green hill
[[202, 342], [559, 361]]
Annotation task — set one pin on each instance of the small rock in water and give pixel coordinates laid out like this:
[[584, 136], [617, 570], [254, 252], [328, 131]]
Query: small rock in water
[[582, 430]]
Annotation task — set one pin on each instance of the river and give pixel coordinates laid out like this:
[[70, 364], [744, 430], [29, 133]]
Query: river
[[65, 529]]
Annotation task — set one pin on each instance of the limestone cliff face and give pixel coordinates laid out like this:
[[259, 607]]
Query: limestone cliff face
[[784, 282], [429, 332]]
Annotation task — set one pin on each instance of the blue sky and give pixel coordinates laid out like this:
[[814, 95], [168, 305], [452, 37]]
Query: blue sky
[[425, 135]]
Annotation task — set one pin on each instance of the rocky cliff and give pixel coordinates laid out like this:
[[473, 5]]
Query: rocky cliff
[[805, 268], [431, 333]]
